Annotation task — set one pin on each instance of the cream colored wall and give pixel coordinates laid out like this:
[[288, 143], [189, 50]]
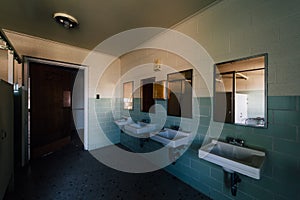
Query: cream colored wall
[[7, 66], [234, 29], [27, 45], [139, 64], [228, 30], [98, 64], [3, 65], [31, 46], [254, 83], [109, 79], [18, 73]]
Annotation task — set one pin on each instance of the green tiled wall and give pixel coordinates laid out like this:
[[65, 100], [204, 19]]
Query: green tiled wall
[[133, 143], [137, 115], [280, 177], [104, 111]]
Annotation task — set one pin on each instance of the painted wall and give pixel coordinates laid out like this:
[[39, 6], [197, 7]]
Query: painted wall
[[228, 30], [234, 29], [27, 45], [139, 64], [78, 100], [4, 65], [106, 112]]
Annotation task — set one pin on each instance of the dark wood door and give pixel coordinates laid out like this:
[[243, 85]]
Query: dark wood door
[[223, 107], [51, 120], [147, 100]]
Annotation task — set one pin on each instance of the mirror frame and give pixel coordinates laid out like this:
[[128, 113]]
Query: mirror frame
[[265, 55]]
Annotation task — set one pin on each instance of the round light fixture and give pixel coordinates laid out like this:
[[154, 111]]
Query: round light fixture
[[66, 20]]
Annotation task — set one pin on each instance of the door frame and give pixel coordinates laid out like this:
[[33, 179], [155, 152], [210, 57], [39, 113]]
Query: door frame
[[26, 65]]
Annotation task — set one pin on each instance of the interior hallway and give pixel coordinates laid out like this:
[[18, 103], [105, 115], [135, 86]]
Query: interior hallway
[[72, 173]]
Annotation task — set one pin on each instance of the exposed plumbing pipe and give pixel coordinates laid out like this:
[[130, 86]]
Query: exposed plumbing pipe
[[235, 179]]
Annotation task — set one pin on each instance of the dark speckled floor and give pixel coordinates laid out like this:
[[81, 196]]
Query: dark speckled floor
[[73, 173]]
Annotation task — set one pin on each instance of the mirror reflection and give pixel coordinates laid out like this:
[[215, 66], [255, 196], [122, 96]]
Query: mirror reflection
[[240, 92], [127, 95], [180, 94], [146, 93]]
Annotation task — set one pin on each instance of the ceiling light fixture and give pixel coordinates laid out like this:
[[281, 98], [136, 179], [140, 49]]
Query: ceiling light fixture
[[66, 20]]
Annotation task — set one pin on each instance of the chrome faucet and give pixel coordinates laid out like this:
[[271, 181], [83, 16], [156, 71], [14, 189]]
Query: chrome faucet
[[235, 141]]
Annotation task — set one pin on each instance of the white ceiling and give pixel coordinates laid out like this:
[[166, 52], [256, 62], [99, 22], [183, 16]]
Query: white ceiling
[[98, 19]]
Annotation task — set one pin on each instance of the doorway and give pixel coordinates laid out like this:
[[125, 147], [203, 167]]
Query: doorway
[[52, 121]]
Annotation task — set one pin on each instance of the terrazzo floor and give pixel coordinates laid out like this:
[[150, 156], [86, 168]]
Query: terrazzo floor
[[72, 173]]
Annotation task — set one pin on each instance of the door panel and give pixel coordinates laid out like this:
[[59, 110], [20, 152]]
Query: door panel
[[6, 135], [51, 120], [223, 107]]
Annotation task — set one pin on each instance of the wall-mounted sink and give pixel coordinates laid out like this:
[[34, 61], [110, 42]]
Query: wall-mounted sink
[[139, 128], [234, 158], [123, 121], [171, 138]]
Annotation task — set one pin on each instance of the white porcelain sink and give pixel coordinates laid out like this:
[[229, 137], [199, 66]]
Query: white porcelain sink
[[123, 121], [171, 138], [139, 128], [234, 158]]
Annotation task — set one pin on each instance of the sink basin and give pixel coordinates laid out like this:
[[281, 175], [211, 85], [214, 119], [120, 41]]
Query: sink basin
[[139, 128], [123, 121], [243, 160], [171, 138], [138, 125]]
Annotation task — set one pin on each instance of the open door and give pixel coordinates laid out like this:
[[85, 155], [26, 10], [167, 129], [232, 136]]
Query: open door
[[51, 119]]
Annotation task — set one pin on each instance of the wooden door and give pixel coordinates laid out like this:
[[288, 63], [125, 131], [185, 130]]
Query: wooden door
[[223, 107], [51, 120], [146, 94]]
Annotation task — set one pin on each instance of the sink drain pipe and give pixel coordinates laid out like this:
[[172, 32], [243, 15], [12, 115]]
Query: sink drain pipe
[[235, 179]]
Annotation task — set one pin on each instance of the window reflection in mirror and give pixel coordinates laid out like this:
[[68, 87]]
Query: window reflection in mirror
[[240, 91], [127, 95], [160, 90]]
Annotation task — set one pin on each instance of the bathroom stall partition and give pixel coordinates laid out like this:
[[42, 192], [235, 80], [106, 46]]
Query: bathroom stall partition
[[6, 136], [6, 119], [9, 77]]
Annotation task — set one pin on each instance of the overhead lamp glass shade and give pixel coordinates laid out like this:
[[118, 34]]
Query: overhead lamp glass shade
[[66, 20]]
